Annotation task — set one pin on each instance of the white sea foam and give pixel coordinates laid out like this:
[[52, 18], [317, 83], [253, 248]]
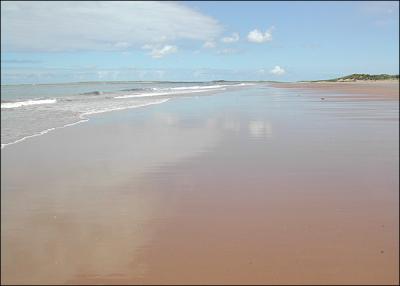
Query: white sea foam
[[27, 102], [195, 87], [142, 94], [95, 111], [169, 92], [42, 133], [208, 86]]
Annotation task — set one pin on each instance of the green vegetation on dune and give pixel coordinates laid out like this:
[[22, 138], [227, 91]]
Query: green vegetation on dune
[[362, 76]]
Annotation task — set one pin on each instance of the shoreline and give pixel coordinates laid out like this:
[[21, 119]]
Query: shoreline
[[83, 118], [149, 98], [361, 90]]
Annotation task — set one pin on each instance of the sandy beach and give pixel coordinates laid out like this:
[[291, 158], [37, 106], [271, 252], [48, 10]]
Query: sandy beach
[[364, 90], [264, 185]]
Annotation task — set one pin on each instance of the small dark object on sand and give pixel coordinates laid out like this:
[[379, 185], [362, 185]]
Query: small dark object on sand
[[322, 98], [382, 251]]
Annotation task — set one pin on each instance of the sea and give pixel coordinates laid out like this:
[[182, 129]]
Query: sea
[[29, 110]]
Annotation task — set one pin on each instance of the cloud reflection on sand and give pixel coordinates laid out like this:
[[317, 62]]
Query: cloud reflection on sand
[[260, 129]]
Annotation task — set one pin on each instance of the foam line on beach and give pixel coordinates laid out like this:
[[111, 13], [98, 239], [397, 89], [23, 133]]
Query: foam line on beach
[[83, 119], [125, 107], [182, 90], [170, 92], [195, 87], [27, 103], [43, 132]]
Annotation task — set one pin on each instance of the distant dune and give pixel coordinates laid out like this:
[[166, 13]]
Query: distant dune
[[361, 77]]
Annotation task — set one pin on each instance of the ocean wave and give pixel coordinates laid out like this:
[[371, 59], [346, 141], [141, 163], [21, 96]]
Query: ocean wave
[[142, 94], [133, 89], [97, 92], [27, 103], [167, 92], [201, 87], [196, 87], [216, 86]]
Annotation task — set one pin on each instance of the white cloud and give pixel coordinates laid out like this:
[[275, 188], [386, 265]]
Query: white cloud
[[99, 25], [158, 52], [256, 36], [277, 70], [232, 39], [209, 45]]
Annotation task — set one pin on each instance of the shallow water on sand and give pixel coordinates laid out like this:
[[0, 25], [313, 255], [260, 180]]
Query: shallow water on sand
[[253, 186], [33, 110]]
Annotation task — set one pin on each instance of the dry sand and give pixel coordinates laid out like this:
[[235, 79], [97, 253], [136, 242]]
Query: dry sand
[[251, 187]]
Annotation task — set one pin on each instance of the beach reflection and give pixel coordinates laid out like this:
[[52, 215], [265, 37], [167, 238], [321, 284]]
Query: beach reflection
[[260, 129], [89, 212], [83, 204], [231, 124]]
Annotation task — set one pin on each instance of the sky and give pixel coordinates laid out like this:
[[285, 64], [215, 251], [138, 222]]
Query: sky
[[50, 42]]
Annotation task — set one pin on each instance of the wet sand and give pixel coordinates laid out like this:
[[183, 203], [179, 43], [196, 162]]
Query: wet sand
[[258, 186], [360, 90]]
